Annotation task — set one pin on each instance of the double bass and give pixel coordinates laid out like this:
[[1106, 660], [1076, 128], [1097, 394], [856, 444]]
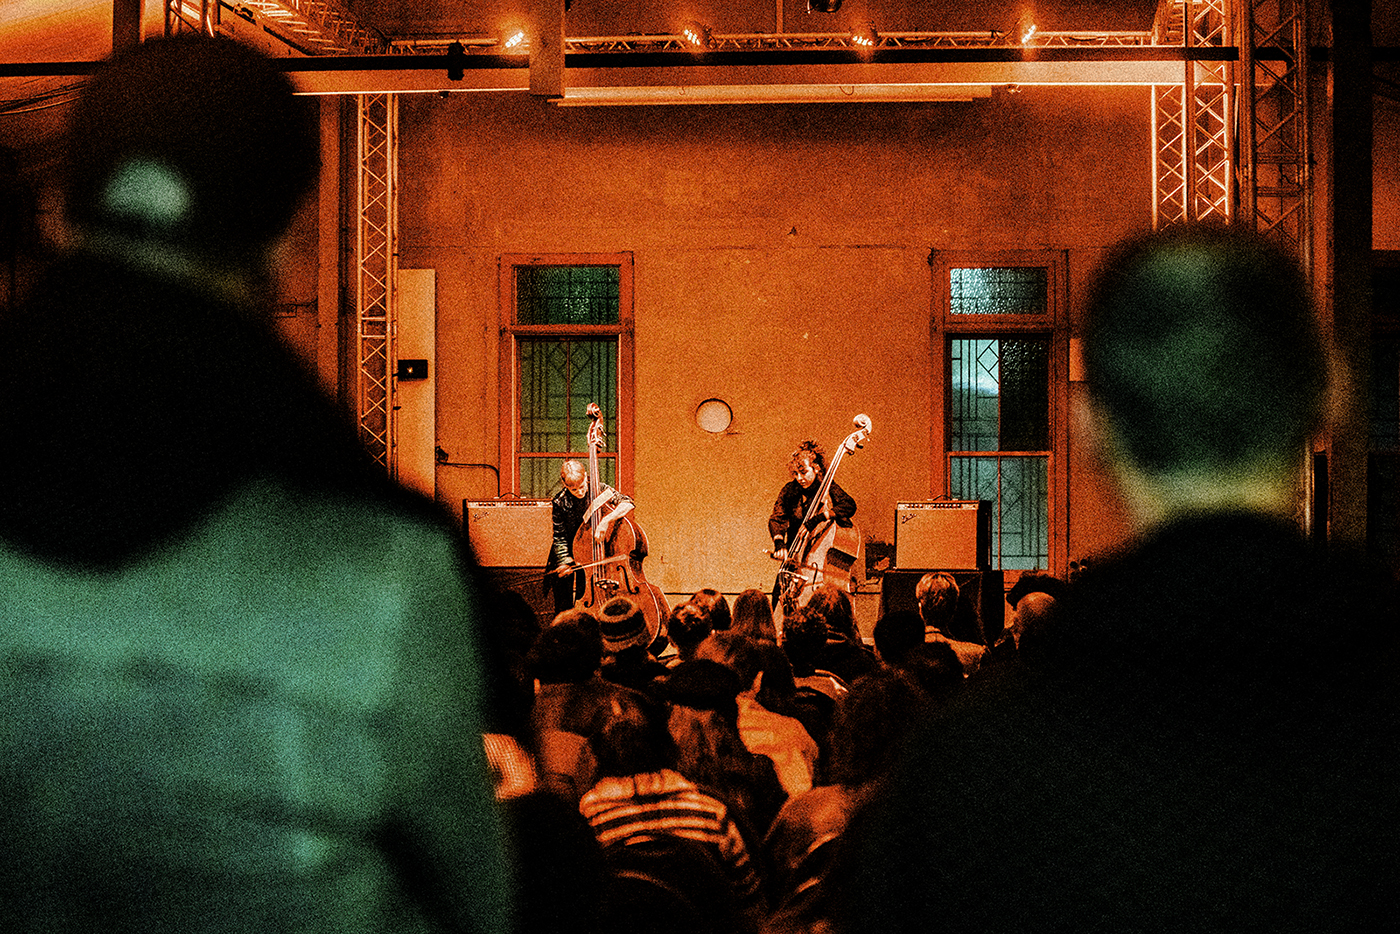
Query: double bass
[[613, 568], [824, 551]]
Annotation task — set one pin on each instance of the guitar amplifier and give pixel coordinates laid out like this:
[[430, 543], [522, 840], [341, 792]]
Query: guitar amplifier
[[510, 533], [943, 534]]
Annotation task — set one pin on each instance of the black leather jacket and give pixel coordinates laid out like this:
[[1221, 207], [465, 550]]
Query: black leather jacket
[[568, 513]]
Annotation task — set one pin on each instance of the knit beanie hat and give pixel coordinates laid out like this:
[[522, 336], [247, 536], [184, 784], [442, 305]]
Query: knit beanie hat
[[622, 625]]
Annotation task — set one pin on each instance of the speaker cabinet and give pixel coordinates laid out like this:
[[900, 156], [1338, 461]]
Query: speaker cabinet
[[943, 534], [509, 533], [980, 615]]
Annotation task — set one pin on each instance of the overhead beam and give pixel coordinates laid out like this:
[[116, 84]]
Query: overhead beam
[[547, 48]]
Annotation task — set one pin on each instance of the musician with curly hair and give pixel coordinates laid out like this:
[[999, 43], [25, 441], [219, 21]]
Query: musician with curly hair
[[807, 466]]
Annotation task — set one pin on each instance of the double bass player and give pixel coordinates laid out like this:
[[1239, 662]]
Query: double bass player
[[570, 508], [807, 466], [814, 539]]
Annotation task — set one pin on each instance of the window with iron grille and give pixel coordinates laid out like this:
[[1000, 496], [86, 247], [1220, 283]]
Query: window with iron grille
[[999, 440], [997, 321], [566, 342]]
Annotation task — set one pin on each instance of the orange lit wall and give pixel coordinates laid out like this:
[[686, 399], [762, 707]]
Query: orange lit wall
[[781, 265]]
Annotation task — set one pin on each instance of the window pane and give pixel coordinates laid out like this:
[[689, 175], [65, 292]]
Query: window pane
[[999, 394], [974, 379], [1015, 290], [1018, 488], [558, 378], [566, 294], [1025, 395]]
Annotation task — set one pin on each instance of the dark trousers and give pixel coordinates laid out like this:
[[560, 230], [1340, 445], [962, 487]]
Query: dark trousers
[[567, 591]]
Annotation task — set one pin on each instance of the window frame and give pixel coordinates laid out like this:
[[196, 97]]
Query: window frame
[[1053, 324], [621, 433]]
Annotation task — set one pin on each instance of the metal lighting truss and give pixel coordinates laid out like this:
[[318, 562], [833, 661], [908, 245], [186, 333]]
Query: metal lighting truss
[[319, 26], [186, 16], [790, 41], [1193, 122], [376, 260], [313, 27], [1277, 198]]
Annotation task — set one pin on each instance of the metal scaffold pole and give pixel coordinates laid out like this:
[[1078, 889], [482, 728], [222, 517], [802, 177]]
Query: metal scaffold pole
[[376, 257]]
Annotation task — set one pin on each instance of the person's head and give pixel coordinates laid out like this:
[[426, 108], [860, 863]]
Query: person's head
[[709, 749], [937, 596], [882, 708], [714, 605], [190, 145], [704, 719], [833, 604], [807, 464], [687, 627], [896, 633], [738, 653], [1205, 370], [778, 690], [753, 616], [623, 627], [937, 669], [633, 742], [1035, 582], [1033, 613], [569, 651], [703, 684], [575, 478], [804, 637]]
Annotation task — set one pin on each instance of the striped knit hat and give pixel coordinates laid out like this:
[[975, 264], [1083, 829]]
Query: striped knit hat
[[622, 625]]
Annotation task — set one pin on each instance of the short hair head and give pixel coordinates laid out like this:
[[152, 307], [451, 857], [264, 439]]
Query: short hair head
[[572, 471], [634, 742], [937, 596], [896, 633], [715, 607], [567, 652], [687, 626], [192, 142], [884, 706], [1201, 350], [739, 653], [703, 684]]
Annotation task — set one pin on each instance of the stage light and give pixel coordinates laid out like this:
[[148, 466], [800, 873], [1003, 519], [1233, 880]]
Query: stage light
[[823, 6], [514, 41], [697, 35], [865, 37], [1027, 31]]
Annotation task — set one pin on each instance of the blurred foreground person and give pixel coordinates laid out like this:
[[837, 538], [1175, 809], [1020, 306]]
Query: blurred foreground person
[[241, 690], [1187, 749]]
